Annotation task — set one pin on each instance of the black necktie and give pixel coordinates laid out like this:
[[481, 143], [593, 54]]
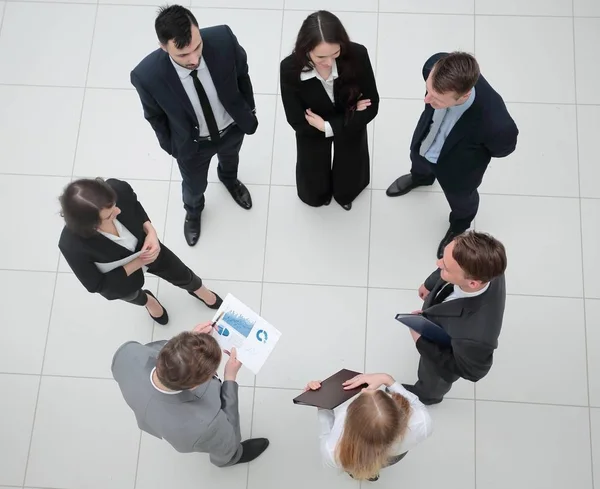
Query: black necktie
[[209, 116], [443, 294]]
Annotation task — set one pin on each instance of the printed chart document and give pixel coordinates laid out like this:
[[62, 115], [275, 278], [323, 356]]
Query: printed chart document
[[239, 326]]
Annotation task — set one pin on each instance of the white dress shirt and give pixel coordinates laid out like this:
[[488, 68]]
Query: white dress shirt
[[331, 426], [459, 293], [222, 117], [124, 239], [327, 85]]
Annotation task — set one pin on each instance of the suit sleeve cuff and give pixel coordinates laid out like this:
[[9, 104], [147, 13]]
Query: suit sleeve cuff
[[328, 130]]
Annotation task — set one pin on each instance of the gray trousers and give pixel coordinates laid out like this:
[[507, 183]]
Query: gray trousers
[[430, 385]]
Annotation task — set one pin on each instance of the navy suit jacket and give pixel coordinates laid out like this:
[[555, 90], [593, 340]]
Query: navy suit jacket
[[168, 108], [484, 131]]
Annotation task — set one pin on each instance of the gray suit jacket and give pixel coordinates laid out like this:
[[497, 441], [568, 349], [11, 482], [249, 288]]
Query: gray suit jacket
[[474, 325], [205, 419]]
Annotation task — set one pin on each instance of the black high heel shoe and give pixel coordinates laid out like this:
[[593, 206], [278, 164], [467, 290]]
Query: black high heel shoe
[[162, 320], [217, 303], [347, 206]]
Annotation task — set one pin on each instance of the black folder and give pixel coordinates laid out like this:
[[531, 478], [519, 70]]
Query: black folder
[[426, 328], [332, 393]]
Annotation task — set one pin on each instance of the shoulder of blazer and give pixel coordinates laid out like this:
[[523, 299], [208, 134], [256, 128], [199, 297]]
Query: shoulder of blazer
[[216, 34], [121, 187], [288, 72], [151, 66], [69, 241], [359, 50], [430, 62]]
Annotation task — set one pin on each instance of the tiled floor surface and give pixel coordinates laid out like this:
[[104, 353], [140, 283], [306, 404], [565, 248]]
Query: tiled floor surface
[[330, 280]]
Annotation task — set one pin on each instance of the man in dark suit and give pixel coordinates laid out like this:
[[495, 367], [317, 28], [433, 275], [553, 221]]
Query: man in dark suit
[[465, 123], [197, 96], [466, 297]]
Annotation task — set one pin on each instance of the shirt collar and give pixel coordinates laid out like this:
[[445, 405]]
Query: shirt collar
[[307, 75], [158, 388], [182, 72], [462, 108]]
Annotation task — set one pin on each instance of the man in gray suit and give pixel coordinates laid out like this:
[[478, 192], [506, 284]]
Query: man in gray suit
[[175, 394], [466, 297]]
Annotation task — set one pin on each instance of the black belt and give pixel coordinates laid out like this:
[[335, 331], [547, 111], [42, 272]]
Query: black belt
[[221, 133]]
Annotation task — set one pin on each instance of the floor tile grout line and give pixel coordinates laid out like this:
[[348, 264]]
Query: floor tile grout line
[[262, 282], [339, 286], [298, 389], [274, 94], [373, 150], [35, 412], [292, 9], [285, 185], [475, 227], [137, 462], [87, 74], [41, 375], [587, 366], [164, 235], [3, 13]]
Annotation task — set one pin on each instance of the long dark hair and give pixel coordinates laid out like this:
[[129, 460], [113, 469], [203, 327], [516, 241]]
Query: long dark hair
[[323, 26], [81, 203]]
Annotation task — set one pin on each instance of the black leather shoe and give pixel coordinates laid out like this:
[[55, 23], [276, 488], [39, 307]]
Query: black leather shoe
[[217, 303], [328, 201], [347, 206], [450, 235], [240, 194], [401, 186], [162, 320], [426, 401], [191, 229], [252, 448]]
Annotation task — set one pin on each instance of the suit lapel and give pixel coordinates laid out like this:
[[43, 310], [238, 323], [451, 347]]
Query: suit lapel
[[465, 125], [174, 82]]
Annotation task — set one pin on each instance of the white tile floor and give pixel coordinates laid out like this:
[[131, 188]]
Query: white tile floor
[[330, 280]]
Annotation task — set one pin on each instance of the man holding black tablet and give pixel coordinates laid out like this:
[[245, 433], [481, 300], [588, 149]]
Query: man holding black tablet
[[465, 296]]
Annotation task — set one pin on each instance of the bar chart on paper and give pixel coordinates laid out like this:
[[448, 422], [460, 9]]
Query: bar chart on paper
[[240, 327]]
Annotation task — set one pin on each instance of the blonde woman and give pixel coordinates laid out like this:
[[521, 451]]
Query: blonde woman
[[373, 431]]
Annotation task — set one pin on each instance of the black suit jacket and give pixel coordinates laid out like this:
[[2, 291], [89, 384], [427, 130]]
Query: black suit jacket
[[82, 253], [297, 96], [474, 325], [168, 108], [484, 131]]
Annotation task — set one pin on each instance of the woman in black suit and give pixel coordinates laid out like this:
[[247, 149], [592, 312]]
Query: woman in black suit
[[108, 241], [329, 95]]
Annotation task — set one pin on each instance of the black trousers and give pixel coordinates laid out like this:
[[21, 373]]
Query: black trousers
[[169, 267], [317, 180], [194, 170], [463, 205], [430, 385]]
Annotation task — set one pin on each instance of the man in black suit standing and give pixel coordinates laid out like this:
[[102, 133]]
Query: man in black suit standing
[[465, 296], [465, 123], [197, 96]]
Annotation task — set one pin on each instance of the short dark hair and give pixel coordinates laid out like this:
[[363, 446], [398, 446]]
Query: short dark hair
[[175, 23], [481, 256], [323, 26], [81, 203], [457, 72], [188, 360]]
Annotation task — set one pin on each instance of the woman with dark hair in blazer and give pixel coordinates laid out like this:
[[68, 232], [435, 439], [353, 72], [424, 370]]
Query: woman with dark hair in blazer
[[109, 241], [329, 95]]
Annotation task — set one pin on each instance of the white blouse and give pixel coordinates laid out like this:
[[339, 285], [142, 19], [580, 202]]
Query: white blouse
[[327, 85], [331, 426], [125, 239]]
